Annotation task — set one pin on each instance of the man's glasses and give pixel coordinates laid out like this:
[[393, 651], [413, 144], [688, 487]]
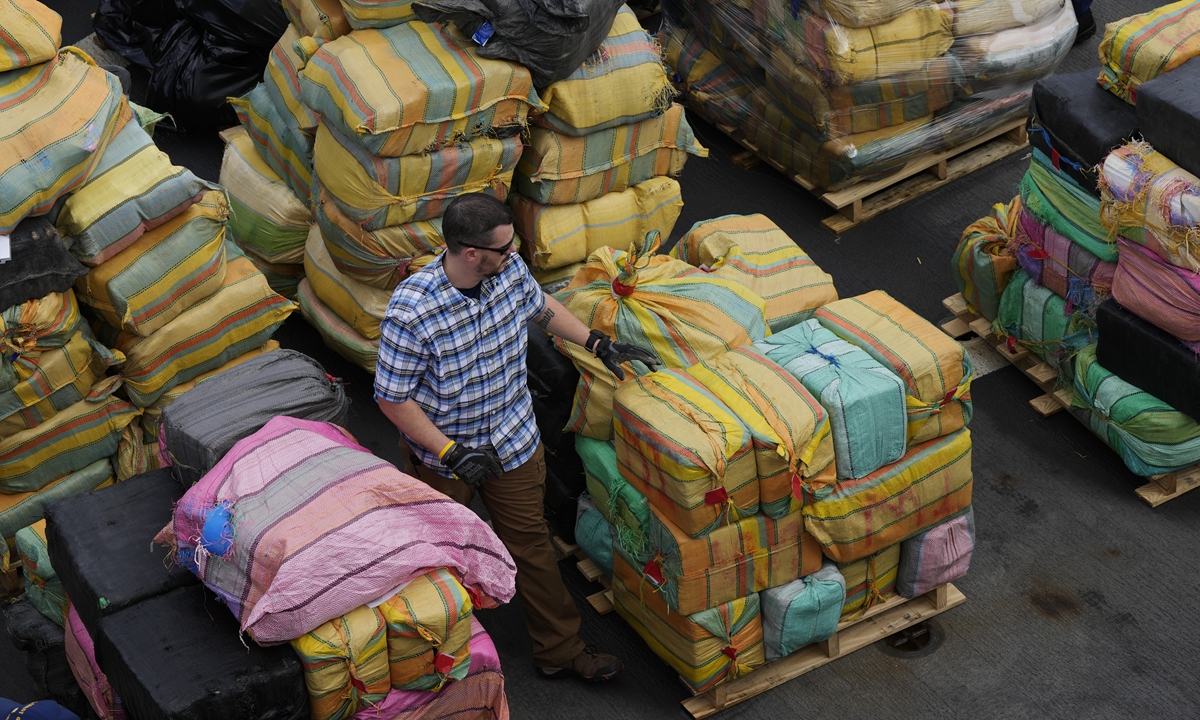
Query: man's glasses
[[499, 250]]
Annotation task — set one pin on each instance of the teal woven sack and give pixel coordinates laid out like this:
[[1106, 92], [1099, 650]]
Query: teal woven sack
[[622, 506], [804, 611], [594, 535], [1033, 317], [42, 586]]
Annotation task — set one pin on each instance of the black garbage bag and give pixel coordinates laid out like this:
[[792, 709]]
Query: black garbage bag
[[552, 379], [43, 643], [131, 27], [242, 24], [550, 37], [40, 264]]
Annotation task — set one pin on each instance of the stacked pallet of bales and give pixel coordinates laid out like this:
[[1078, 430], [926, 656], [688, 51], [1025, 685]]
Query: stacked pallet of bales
[[794, 464], [844, 91]]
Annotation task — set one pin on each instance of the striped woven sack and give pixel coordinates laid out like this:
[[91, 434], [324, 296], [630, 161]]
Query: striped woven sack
[[733, 561], [278, 140], [791, 437], [846, 55], [283, 279], [1019, 55], [320, 19], [61, 116], [70, 441], [134, 188], [559, 235], [415, 88], [937, 556], [166, 271], [826, 111], [282, 81], [623, 82], [1034, 318], [50, 381], [1158, 292], [36, 325], [1146, 198], [864, 399], [869, 581], [935, 367], [380, 258], [655, 302], [264, 213], [862, 13], [239, 317], [428, 632], [682, 448], [983, 262], [753, 251], [361, 306], [558, 169], [1150, 436], [710, 88], [314, 502], [1071, 271], [19, 510], [361, 14], [1142, 47], [1057, 201], [32, 34], [42, 586], [595, 536], [976, 17], [803, 611], [338, 336], [856, 518], [134, 454], [707, 648], [81, 656], [345, 664], [622, 506]]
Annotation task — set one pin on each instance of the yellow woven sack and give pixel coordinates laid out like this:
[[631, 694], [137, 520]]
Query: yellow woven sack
[[338, 336], [32, 33], [428, 631], [361, 306], [1139, 48], [869, 581], [49, 381], [264, 213], [321, 19], [345, 664]]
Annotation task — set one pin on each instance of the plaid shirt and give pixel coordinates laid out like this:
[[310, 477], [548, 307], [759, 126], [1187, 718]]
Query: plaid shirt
[[463, 360]]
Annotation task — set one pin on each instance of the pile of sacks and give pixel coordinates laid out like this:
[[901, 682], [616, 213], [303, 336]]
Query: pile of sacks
[[1094, 267], [798, 460], [841, 91]]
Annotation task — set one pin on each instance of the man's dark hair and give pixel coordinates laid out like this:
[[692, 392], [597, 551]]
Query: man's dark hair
[[471, 218]]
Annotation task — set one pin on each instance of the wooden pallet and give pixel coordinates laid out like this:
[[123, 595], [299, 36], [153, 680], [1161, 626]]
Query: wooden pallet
[[863, 201], [601, 602], [876, 624], [1160, 489]]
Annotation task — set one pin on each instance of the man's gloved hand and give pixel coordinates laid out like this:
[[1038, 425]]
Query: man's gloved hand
[[473, 466], [613, 354]]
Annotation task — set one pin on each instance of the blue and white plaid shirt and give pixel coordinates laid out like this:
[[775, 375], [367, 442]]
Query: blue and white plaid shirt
[[463, 360]]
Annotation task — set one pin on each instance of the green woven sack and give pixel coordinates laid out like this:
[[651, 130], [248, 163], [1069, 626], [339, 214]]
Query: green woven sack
[[616, 500]]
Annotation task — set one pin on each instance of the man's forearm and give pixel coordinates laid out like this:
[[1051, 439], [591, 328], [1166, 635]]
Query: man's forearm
[[414, 423], [557, 320]]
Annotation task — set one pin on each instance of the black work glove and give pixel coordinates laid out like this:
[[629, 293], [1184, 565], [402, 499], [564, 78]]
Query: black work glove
[[613, 354], [472, 465]]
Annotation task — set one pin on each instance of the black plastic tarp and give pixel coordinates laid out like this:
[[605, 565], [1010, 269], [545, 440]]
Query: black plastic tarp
[[1168, 109], [1148, 358], [40, 264]]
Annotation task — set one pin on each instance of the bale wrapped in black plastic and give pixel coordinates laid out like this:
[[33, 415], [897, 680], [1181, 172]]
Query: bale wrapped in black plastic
[[180, 656], [130, 27], [1168, 109], [40, 264], [1078, 122], [552, 378], [1148, 357], [206, 421], [42, 641], [550, 37], [101, 545]]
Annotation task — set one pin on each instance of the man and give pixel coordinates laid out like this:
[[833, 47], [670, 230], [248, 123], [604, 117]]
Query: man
[[451, 376]]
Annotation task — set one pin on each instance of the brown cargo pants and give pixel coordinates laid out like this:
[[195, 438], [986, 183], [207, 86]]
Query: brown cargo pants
[[514, 502]]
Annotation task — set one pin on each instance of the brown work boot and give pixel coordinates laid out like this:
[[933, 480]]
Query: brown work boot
[[590, 665]]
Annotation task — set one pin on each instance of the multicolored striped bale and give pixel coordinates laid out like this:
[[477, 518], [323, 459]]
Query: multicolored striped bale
[[164, 272], [622, 506], [983, 262], [1146, 198], [50, 381], [338, 336], [361, 14], [135, 455], [415, 88], [1035, 318], [1159, 293], [66, 443], [239, 317], [42, 586], [308, 497], [803, 611], [864, 399], [682, 448], [730, 562], [710, 88], [36, 325], [869, 581], [560, 235], [345, 664], [277, 138], [1150, 436], [379, 192], [133, 189], [19, 510], [623, 82], [81, 656], [428, 632], [856, 518], [595, 535], [707, 648], [380, 258], [1071, 271], [264, 214], [282, 81], [937, 556], [558, 169], [752, 250], [282, 278], [976, 17], [359, 305], [1057, 201], [32, 34], [654, 302], [61, 115], [1142, 47], [320, 19], [790, 433], [935, 367]]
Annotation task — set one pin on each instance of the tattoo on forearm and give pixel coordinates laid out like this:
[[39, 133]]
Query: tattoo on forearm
[[546, 318]]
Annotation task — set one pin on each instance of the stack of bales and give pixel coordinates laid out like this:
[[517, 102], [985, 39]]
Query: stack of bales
[[845, 91], [600, 161], [753, 494]]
